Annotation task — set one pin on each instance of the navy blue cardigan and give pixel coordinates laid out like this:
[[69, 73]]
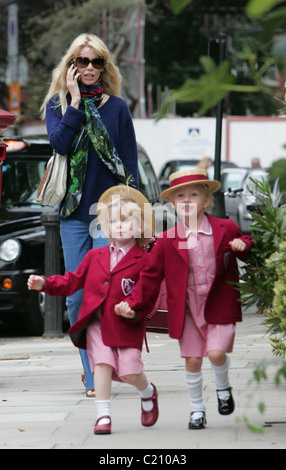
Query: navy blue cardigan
[[118, 121]]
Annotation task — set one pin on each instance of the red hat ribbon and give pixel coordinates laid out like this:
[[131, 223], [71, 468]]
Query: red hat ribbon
[[187, 179]]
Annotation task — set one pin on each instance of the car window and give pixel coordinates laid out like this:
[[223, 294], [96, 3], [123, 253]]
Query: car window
[[249, 186], [232, 180], [20, 180], [177, 165], [169, 168], [147, 178], [187, 166]]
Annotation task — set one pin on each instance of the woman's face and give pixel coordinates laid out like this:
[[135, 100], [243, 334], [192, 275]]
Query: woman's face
[[89, 75]]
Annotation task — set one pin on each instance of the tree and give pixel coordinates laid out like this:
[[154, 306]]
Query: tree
[[216, 81], [176, 41], [54, 30], [173, 44]]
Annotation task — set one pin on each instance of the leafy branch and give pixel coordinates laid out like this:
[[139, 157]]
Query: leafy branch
[[216, 81], [214, 85]]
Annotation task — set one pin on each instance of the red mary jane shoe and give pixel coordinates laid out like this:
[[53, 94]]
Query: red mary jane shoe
[[102, 428], [149, 418]]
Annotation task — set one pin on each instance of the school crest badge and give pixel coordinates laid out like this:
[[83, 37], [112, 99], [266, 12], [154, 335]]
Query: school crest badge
[[127, 286]]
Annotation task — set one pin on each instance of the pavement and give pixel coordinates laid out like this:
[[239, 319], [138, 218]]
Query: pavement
[[43, 404]]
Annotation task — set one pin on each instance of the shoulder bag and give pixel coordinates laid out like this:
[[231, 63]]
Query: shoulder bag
[[53, 185]]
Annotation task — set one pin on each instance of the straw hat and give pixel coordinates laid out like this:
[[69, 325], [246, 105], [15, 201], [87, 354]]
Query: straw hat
[[183, 178], [124, 193]]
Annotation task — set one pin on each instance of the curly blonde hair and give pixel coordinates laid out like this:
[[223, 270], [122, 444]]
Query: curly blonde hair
[[111, 76]]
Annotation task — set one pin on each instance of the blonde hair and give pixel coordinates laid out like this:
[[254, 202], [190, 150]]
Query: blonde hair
[[110, 76], [124, 207]]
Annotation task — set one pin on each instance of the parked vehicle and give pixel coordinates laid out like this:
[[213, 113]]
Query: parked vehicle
[[240, 192], [176, 165], [22, 235]]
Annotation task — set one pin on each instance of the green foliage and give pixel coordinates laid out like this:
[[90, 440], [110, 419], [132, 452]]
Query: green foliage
[[258, 8], [178, 5], [278, 170], [253, 428], [216, 82], [263, 282], [280, 373], [200, 90], [276, 315], [211, 87], [259, 373]]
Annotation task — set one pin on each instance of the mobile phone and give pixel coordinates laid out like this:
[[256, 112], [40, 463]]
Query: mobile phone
[[72, 62]]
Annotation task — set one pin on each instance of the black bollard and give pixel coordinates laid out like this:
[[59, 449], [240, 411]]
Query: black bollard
[[53, 322]]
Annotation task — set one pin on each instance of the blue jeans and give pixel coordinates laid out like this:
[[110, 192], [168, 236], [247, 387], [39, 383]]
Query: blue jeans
[[76, 242]]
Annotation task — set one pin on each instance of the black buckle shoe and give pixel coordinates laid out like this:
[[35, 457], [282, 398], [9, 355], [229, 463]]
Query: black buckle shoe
[[197, 423], [225, 406]]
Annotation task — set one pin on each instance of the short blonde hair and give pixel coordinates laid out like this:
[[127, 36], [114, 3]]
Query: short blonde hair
[[123, 195], [111, 76], [124, 207]]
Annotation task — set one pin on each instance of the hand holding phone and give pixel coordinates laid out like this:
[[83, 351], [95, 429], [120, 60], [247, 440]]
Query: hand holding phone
[[73, 77]]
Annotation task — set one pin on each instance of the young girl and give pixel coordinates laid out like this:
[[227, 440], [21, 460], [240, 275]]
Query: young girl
[[198, 261], [108, 275]]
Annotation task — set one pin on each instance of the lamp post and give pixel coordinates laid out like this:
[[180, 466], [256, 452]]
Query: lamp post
[[217, 51], [6, 119]]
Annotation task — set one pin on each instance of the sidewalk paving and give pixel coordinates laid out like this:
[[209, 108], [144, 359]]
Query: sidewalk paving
[[43, 404]]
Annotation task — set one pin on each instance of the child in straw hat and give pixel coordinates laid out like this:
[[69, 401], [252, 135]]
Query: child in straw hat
[[197, 258], [108, 276]]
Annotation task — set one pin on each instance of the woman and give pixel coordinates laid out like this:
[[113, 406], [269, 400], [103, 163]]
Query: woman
[[88, 120]]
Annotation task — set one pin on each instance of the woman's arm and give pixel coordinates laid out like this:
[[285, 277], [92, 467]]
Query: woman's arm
[[62, 128]]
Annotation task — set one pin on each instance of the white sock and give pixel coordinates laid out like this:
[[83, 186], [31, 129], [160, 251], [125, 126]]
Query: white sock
[[221, 378], [103, 409], [147, 393], [194, 382]]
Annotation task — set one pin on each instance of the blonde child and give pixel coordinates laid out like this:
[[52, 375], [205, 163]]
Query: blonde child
[[197, 258], [108, 276]]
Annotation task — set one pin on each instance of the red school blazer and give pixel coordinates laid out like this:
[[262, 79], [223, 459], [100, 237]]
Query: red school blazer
[[104, 288], [168, 260]]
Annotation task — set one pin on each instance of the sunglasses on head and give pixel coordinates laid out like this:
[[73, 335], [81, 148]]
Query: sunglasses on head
[[82, 62]]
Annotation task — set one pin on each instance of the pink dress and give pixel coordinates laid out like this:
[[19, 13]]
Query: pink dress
[[199, 337], [125, 361]]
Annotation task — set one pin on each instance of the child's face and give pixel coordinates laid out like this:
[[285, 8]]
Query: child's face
[[190, 203], [123, 229]]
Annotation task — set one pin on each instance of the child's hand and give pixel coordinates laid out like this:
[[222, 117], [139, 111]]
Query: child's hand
[[123, 309], [238, 245], [35, 282]]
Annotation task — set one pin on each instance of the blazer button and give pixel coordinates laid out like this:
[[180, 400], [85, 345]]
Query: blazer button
[[106, 283], [102, 296]]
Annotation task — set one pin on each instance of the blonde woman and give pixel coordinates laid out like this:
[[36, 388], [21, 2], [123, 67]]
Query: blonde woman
[[87, 120]]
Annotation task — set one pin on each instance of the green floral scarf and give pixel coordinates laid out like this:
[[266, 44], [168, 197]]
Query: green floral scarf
[[95, 131]]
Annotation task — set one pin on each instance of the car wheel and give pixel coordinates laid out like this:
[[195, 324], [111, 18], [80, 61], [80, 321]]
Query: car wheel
[[34, 321]]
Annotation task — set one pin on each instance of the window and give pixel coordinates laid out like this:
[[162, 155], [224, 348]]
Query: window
[[21, 180], [147, 178]]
